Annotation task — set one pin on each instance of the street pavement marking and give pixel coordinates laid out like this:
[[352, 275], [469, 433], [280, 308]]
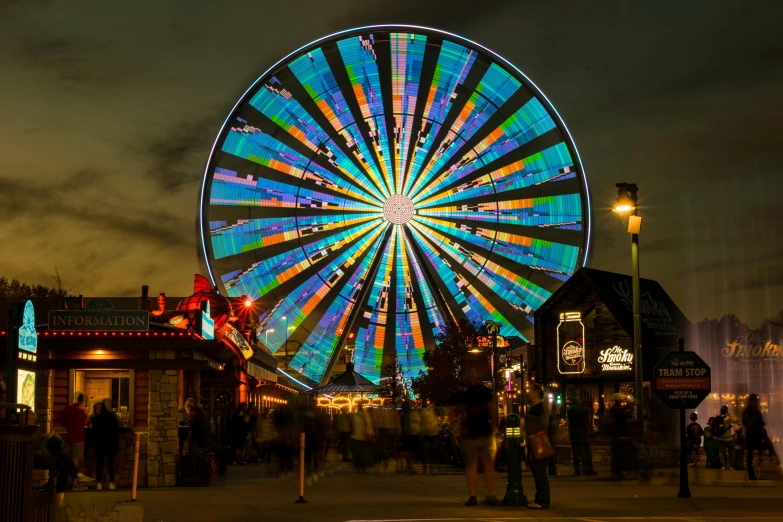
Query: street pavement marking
[[585, 519]]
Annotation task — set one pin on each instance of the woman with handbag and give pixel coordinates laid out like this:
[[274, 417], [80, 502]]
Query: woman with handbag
[[539, 448]]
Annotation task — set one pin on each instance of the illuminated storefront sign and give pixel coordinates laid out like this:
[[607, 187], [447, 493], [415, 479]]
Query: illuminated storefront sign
[[28, 338], [233, 335], [753, 346], [25, 387], [570, 336], [99, 314], [615, 359], [207, 323]]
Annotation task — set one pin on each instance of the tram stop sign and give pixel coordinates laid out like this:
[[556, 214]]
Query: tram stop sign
[[682, 380]]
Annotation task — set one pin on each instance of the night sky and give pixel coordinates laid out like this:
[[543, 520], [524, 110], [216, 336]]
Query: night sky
[[108, 111]]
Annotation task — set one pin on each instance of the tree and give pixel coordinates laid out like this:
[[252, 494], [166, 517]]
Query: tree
[[13, 291], [446, 364], [391, 378]]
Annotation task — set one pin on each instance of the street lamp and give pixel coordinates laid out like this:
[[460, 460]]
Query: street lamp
[[493, 328], [627, 205], [267, 336]]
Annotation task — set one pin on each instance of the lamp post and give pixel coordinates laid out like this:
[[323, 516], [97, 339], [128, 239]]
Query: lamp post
[[267, 336], [626, 204], [493, 328]]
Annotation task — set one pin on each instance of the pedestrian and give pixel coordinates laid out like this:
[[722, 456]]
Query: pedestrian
[[428, 437], [478, 437], [362, 439], [753, 422], [536, 422], [106, 431], [579, 432], [623, 451], [693, 435], [200, 437], [739, 448], [239, 430], [342, 425], [411, 424], [721, 431], [551, 463], [710, 446], [264, 436], [251, 453], [74, 421]]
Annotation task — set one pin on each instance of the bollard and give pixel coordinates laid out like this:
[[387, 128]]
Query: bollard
[[301, 469], [514, 496], [135, 466]]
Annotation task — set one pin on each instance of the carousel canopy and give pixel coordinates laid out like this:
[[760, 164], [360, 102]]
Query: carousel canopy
[[349, 382]]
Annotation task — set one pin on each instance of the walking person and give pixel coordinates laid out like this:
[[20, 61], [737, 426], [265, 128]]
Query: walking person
[[753, 422], [342, 424], [240, 427], [710, 446], [537, 421], [478, 438], [693, 434], [579, 432], [74, 422], [721, 431], [106, 430], [623, 455]]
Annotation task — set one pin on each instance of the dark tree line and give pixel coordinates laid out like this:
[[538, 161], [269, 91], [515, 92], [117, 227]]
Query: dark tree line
[[45, 298]]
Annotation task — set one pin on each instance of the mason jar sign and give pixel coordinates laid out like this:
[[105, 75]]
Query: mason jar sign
[[570, 342]]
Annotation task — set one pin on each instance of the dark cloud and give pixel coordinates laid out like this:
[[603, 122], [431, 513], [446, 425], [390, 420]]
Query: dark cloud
[[21, 198], [176, 159]]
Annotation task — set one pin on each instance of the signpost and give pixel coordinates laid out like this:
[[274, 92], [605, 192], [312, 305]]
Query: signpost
[[682, 381]]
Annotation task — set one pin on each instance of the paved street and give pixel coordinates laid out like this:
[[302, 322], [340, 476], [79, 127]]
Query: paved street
[[245, 494]]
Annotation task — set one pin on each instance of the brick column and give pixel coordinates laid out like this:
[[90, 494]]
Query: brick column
[[163, 445]]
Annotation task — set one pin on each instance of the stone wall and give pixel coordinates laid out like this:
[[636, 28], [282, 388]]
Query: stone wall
[[163, 441], [44, 384]]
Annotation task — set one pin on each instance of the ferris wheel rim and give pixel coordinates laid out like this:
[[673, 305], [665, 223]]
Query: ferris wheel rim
[[206, 249]]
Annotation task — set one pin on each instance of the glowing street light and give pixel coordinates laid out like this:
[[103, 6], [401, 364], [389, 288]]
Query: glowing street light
[[626, 204], [267, 335]]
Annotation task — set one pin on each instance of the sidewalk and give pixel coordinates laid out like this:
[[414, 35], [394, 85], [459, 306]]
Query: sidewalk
[[247, 494]]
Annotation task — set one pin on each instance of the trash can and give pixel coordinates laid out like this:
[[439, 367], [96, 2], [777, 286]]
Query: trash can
[[17, 446]]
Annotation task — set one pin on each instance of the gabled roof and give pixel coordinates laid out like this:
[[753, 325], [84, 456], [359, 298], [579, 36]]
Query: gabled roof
[[349, 382], [659, 313]]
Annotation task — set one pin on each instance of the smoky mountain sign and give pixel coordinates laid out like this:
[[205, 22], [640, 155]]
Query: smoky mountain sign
[[682, 380]]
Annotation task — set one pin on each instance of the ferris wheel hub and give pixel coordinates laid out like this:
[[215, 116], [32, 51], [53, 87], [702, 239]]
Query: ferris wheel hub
[[398, 209]]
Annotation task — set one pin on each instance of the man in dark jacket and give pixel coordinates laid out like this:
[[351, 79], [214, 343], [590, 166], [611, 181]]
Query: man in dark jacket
[[753, 422], [579, 432], [537, 421]]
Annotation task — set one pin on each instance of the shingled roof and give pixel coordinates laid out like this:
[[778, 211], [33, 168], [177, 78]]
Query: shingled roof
[[349, 382]]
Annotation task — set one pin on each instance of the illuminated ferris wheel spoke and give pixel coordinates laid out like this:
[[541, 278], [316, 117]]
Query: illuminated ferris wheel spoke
[[472, 302], [378, 183], [550, 165], [454, 64], [251, 144], [521, 294], [276, 103], [300, 302], [494, 90], [360, 58], [321, 343], [268, 274], [527, 123], [314, 73]]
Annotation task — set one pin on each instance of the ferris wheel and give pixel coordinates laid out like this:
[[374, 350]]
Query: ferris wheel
[[377, 183]]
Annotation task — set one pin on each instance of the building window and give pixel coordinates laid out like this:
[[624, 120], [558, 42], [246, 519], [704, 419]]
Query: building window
[[114, 385]]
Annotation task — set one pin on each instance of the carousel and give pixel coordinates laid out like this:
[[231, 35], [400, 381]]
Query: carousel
[[349, 390]]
